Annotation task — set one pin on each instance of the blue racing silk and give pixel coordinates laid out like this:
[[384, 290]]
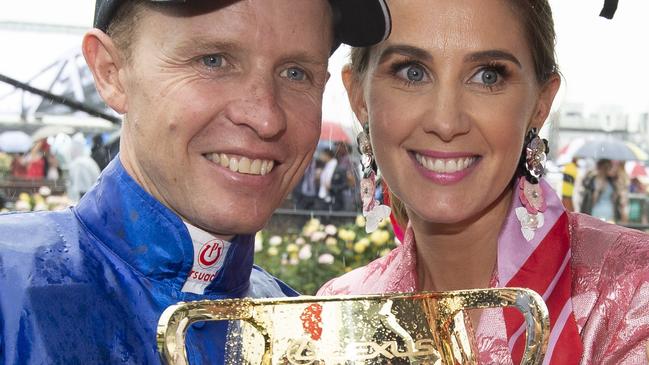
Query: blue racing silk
[[87, 285]]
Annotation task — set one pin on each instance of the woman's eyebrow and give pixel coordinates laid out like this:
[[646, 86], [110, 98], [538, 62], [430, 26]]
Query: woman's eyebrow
[[405, 50], [491, 55]]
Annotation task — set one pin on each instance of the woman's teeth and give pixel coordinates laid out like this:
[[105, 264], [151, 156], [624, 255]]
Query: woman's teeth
[[445, 165], [241, 164]]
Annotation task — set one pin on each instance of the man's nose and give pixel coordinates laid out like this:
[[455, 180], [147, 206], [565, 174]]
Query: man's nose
[[259, 108], [446, 116]]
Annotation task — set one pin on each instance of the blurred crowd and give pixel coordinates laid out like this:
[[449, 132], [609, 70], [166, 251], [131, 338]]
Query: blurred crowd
[[606, 190], [330, 182], [68, 164]]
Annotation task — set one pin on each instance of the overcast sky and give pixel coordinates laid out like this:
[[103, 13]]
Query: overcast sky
[[603, 62]]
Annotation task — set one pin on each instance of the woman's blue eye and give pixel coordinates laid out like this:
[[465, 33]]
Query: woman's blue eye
[[415, 73], [213, 61], [294, 73], [489, 77], [412, 73]]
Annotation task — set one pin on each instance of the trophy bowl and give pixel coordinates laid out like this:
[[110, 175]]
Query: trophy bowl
[[414, 328]]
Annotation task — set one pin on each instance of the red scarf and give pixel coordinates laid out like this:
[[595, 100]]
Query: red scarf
[[547, 271]]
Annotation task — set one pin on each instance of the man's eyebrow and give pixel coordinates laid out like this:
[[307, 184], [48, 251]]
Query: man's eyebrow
[[405, 50], [491, 55], [305, 57], [201, 45], [206, 46]]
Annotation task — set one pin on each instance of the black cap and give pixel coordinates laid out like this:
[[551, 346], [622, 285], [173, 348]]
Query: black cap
[[358, 23]]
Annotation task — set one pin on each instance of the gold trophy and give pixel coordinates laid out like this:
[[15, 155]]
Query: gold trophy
[[416, 328]]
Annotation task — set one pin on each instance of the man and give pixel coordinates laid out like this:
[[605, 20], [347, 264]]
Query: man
[[83, 171], [221, 103]]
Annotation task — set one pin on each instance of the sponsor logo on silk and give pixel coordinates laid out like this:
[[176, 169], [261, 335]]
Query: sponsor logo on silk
[[208, 260], [210, 253]]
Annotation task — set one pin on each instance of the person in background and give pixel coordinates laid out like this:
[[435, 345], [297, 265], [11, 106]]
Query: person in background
[[605, 193], [305, 193], [82, 170], [453, 102], [35, 161], [568, 186], [325, 196], [52, 165], [636, 186], [18, 168], [99, 153], [343, 181]]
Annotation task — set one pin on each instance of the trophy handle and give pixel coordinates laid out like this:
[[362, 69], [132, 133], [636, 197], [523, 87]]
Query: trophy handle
[[176, 319], [527, 301]]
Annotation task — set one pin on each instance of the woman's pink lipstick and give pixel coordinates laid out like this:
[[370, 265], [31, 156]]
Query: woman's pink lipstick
[[445, 178]]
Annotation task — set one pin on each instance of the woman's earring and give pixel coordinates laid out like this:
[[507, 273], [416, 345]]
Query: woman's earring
[[535, 154], [373, 211], [530, 192]]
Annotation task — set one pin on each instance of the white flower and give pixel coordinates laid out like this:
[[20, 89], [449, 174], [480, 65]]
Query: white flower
[[275, 241], [318, 236], [273, 251], [326, 259], [300, 241], [529, 222], [40, 206], [23, 206], [44, 191], [331, 241], [305, 252], [330, 229]]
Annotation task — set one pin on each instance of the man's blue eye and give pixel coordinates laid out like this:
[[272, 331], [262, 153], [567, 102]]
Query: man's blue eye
[[213, 60], [295, 73]]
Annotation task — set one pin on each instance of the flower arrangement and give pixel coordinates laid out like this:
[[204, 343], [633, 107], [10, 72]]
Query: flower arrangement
[[5, 164], [43, 200], [309, 258]]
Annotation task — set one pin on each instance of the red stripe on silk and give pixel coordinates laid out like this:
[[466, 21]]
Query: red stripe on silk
[[537, 274], [539, 269], [569, 347], [555, 303], [396, 228], [543, 264]]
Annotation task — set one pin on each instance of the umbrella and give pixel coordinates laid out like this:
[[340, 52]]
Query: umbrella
[[567, 152], [51, 130], [15, 142], [635, 169], [611, 149], [333, 132]]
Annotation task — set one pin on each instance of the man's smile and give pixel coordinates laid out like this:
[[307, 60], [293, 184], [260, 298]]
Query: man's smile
[[242, 164]]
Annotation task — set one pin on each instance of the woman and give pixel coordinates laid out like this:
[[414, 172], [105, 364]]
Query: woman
[[451, 99], [605, 191]]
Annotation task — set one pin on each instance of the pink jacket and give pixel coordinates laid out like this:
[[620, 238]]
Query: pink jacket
[[609, 268]]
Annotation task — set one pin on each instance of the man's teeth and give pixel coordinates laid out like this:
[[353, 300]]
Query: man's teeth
[[445, 165], [242, 165]]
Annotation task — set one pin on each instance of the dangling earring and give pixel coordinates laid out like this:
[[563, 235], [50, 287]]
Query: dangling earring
[[530, 193], [373, 211]]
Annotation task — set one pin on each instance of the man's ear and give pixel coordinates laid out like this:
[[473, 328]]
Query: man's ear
[[355, 93], [546, 97], [105, 62]]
